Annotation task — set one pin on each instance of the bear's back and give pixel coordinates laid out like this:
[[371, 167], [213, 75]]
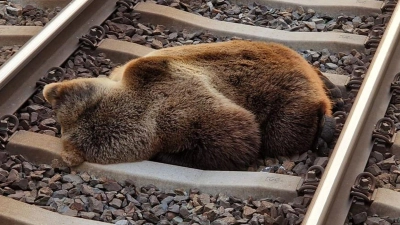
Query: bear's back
[[255, 75]]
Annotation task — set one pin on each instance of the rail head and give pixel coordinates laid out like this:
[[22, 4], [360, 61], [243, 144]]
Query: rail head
[[37, 43], [358, 126]]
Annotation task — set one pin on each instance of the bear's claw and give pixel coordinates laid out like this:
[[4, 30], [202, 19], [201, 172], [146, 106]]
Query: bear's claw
[[326, 134]]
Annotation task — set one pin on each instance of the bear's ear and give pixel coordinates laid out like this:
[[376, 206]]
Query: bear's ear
[[52, 92], [147, 69]]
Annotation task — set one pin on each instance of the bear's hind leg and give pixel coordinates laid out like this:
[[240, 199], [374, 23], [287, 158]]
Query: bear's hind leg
[[222, 137], [326, 134], [291, 129]]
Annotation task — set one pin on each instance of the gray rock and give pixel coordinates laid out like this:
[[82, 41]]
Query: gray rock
[[377, 155], [292, 217], [318, 21], [153, 200], [87, 190], [67, 186], [167, 200], [150, 217], [119, 213], [204, 198], [42, 200], [177, 220], [48, 122], [331, 66], [88, 215], [174, 208], [374, 170], [373, 221], [248, 212], [158, 210], [208, 207], [60, 194], [106, 215], [357, 21], [85, 177], [27, 167], [122, 222], [184, 212], [387, 163], [116, 203], [310, 25], [14, 11], [286, 208], [65, 210], [360, 218], [348, 28], [157, 44], [333, 59], [95, 205], [20, 183], [321, 161], [73, 192], [17, 196], [112, 186], [12, 176], [78, 205], [45, 191], [300, 168], [71, 178], [180, 198]]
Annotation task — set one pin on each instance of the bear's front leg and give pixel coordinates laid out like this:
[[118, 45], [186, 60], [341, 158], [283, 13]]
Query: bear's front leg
[[71, 156]]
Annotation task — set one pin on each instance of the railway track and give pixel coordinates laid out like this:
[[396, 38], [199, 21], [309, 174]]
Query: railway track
[[279, 196]]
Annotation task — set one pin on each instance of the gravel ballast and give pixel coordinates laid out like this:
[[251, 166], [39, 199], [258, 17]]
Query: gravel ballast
[[15, 14], [82, 195], [6, 52], [290, 19], [125, 25]]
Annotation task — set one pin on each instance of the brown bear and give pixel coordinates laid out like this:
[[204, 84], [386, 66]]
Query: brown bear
[[212, 106]]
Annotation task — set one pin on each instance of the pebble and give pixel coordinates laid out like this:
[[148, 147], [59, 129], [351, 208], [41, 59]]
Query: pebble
[[374, 170], [112, 186], [321, 161], [7, 51], [360, 218], [387, 163], [71, 178], [122, 222]]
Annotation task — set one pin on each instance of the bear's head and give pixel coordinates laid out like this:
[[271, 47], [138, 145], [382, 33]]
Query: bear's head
[[75, 102], [69, 99]]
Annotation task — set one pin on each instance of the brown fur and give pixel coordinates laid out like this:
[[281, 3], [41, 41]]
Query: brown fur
[[209, 106]]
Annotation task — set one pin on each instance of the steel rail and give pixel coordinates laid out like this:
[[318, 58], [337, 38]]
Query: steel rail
[[331, 202], [51, 47], [33, 46]]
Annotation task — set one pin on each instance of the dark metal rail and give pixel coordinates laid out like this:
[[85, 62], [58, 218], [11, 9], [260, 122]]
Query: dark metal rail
[[332, 201]]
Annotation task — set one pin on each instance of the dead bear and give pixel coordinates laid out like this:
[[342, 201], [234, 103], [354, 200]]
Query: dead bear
[[216, 106]]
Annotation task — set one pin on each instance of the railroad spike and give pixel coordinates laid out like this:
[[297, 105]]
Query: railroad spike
[[364, 187]]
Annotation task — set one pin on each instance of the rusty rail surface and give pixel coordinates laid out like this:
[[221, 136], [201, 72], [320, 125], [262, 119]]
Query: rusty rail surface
[[58, 40], [332, 202]]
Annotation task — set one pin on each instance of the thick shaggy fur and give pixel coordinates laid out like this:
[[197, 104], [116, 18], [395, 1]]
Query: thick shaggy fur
[[209, 106]]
